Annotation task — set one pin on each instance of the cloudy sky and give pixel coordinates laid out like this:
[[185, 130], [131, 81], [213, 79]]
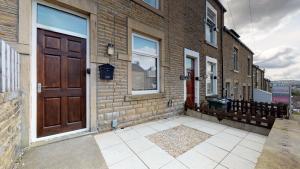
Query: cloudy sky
[[273, 33]]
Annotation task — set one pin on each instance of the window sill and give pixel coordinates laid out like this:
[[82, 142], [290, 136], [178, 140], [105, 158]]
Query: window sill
[[152, 9], [144, 97], [211, 96], [236, 71], [211, 44]]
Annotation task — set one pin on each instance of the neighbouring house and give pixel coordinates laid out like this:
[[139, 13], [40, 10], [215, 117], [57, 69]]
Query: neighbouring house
[[238, 61], [267, 85], [258, 77], [196, 49], [165, 53]]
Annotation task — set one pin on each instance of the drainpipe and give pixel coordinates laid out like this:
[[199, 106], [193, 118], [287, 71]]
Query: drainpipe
[[252, 76], [222, 52]]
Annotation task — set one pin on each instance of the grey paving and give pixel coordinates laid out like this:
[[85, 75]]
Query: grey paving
[[77, 153]]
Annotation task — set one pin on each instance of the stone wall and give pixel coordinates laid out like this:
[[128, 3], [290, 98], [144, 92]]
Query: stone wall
[[10, 128], [258, 76], [114, 100], [183, 28], [9, 20], [241, 77]]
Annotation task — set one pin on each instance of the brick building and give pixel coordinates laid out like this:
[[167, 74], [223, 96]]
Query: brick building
[[238, 60], [258, 77], [164, 53]]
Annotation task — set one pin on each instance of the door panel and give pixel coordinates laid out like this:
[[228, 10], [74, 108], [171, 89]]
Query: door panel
[[61, 65], [190, 83]]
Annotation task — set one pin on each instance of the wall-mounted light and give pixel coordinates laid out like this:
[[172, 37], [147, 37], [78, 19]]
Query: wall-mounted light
[[110, 49]]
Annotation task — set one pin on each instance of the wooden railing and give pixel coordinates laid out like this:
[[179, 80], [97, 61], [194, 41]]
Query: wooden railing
[[9, 68], [254, 113]]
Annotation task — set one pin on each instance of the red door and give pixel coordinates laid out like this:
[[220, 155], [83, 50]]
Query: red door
[[61, 66], [190, 83]]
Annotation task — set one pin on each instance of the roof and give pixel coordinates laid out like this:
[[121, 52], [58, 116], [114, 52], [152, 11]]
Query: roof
[[261, 69], [236, 36], [136, 67]]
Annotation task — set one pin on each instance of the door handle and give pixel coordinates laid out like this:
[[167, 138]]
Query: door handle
[[40, 88]]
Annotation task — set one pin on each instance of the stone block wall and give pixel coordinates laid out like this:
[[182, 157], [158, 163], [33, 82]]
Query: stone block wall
[[114, 100], [9, 20], [183, 28], [241, 77], [10, 129]]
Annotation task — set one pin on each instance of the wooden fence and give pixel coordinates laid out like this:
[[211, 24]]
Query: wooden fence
[[254, 113], [9, 68]]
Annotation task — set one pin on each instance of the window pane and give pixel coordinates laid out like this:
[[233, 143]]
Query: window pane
[[189, 63], [144, 46], [144, 73], [55, 18], [153, 3], [211, 81]]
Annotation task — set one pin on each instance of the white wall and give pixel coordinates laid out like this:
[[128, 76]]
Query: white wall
[[262, 96]]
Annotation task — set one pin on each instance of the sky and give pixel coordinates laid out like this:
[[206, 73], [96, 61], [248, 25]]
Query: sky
[[273, 33]]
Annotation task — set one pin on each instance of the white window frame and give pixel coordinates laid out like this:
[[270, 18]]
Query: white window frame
[[33, 70], [157, 4], [214, 61], [194, 55], [228, 89], [148, 55], [209, 6]]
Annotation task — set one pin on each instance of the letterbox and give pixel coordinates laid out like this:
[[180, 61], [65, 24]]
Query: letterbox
[[106, 72]]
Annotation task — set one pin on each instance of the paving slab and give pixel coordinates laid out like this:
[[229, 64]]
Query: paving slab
[[77, 153]]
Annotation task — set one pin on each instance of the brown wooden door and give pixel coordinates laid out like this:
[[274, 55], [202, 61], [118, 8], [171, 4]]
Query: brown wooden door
[[61, 71], [190, 83]]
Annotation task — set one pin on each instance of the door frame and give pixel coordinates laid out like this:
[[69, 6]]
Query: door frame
[[33, 70], [194, 55]]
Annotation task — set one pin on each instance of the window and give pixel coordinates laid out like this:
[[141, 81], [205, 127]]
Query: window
[[145, 65], [236, 91], [153, 3], [235, 59], [249, 67], [228, 92], [211, 25], [51, 17], [211, 76]]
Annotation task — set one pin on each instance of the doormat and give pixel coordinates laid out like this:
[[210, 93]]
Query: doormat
[[178, 140]]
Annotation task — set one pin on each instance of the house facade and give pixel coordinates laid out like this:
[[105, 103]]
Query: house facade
[[258, 77], [238, 60], [164, 54]]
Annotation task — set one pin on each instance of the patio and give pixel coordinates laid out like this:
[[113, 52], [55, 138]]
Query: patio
[[180, 142]]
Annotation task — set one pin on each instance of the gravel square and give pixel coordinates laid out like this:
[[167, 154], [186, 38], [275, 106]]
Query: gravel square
[[178, 140]]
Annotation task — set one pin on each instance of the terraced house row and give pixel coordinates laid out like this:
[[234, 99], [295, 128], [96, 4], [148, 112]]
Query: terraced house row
[[92, 65]]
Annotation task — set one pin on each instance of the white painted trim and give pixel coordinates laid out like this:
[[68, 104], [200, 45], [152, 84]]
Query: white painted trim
[[33, 71], [50, 28], [215, 61], [208, 5], [8, 68], [195, 55], [150, 55], [3, 67], [47, 138]]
